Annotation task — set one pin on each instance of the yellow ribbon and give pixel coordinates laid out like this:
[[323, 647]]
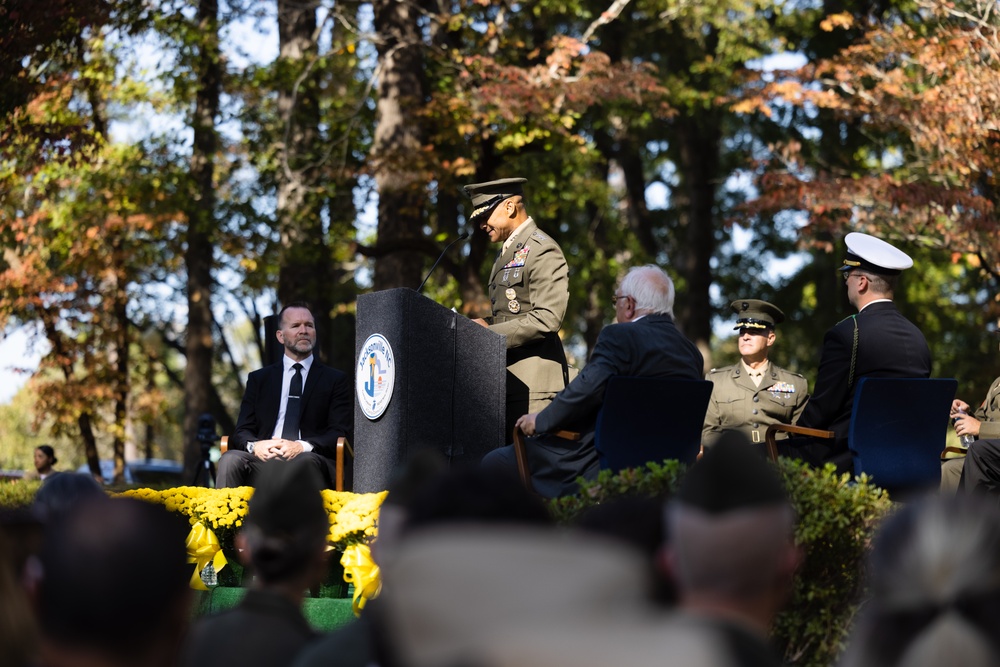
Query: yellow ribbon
[[203, 547], [361, 570]]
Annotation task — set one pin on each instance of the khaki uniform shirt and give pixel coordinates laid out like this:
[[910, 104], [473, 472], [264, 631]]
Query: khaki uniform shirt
[[989, 414], [529, 290], [738, 405]]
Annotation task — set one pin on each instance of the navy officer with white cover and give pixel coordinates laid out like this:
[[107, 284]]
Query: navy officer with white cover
[[755, 392], [529, 290], [876, 342], [644, 342]]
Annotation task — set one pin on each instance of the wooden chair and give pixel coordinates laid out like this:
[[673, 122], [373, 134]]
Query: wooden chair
[[897, 431], [345, 457], [642, 419]]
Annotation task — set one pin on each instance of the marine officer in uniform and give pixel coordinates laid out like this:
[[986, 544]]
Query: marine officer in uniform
[[754, 393], [529, 290]]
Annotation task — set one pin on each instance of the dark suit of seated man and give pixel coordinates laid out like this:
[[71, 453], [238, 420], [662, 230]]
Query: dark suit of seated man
[[644, 342], [318, 397]]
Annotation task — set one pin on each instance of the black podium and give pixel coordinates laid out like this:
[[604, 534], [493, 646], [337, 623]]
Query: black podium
[[448, 379]]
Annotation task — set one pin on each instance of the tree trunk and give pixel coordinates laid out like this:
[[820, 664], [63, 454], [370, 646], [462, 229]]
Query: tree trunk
[[121, 366], [201, 222], [304, 257], [397, 141], [699, 164]]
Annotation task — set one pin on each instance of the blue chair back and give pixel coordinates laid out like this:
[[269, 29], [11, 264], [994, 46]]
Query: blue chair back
[[898, 430], [650, 419]]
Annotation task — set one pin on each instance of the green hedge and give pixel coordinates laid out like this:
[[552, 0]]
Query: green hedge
[[837, 516], [18, 493]]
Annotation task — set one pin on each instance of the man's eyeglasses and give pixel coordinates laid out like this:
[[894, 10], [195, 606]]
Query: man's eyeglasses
[[847, 276], [616, 297]]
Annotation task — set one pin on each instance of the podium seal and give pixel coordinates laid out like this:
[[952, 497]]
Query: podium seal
[[375, 375]]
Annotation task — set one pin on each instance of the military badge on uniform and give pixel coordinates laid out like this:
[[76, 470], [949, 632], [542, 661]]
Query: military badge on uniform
[[520, 257], [781, 389], [510, 293], [514, 306]]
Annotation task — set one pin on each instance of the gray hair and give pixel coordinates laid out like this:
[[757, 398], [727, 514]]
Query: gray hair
[[937, 560], [651, 288]]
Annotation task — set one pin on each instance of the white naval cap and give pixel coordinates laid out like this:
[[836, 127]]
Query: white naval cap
[[868, 253]]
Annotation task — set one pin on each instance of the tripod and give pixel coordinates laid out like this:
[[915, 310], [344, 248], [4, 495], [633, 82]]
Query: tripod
[[206, 438], [206, 469]]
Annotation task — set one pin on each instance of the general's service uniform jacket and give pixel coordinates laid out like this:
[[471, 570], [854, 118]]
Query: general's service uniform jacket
[[529, 290], [739, 405]]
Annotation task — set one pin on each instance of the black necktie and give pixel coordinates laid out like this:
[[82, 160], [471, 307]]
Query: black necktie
[[290, 430]]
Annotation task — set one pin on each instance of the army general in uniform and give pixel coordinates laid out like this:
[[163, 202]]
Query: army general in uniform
[[753, 393], [529, 290]]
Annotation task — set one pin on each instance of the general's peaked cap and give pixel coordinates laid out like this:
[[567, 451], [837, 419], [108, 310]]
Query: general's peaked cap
[[486, 196]]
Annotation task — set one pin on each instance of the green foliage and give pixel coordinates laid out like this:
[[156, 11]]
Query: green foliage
[[17, 493], [837, 517], [654, 481]]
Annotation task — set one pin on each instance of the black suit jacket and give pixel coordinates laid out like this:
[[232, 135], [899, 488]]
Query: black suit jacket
[[889, 346], [650, 347], [326, 408]]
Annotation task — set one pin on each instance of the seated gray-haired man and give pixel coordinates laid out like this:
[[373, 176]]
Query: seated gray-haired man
[[644, 342]]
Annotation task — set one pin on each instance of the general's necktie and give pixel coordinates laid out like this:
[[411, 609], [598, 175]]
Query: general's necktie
[[290, 431]]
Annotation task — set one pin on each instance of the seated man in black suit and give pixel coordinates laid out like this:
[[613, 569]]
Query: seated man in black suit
[[644, 342], [296, 408]]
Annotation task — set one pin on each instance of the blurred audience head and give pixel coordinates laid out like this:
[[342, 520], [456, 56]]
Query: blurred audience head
[[730, 535], [405, 485], [935, 584], [61, 493], [113, 584], [474, 495], [18, 634], [637, 522], [287, 524]]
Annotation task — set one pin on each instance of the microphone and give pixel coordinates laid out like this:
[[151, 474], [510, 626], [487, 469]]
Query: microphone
[[464, 236]]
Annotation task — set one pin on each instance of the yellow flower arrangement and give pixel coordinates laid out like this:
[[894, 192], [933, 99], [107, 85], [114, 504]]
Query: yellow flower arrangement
[[216, 514], [353, 516]]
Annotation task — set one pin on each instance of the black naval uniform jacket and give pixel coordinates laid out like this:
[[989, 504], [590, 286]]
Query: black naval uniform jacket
[[888, 346]]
